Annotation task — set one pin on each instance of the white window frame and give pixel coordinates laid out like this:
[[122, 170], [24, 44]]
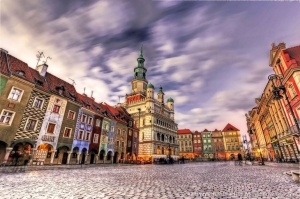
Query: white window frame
[[81, 119], [90, 120], [78, 137], [65, 132], [73, 115], [95, 138], [42, 104], [34, 125], [11, 118], [113, 129], [53, 129], [20, 96], [98, 122], [89, 136]]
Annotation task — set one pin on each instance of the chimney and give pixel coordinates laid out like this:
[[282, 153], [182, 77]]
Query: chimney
[[42, 69]]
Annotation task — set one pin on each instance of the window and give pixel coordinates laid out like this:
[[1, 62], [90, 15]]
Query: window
[[129, 143], [134, 145], [80, 135], [71, 115], [87, 136], [292, 91], [209, 141], [135, 134], [31, 123], [90, 120], [97, 122], [195, 141], [56, 108], [7, 117], [15, 94], [123, 144], [130, 132], [130, 123], [119, 131], [83, 118], [124, 133], [96, 138], [112, 129], [67, 132], [111, 140], [38, 103], [50, 128], [204, 141], [118, 143]]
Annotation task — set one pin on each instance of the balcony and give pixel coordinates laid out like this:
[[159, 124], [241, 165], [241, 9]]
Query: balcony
[[48, 138]]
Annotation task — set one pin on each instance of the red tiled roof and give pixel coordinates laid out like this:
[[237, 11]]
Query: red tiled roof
[[294, 53], [106, 110], [14, 66], [37, 77], [229, 127], [184, 131], [55, 82], [3, 66]]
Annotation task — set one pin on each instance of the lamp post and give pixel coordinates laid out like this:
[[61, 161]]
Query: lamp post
[[277, 96], [251, 132]]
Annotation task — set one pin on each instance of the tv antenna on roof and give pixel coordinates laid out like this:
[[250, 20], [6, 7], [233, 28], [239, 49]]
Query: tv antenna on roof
[[73, 81], [45, 62], [39, 56]]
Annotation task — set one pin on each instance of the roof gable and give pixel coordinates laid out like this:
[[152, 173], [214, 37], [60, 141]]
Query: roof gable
[[229, 127], [184, 131]]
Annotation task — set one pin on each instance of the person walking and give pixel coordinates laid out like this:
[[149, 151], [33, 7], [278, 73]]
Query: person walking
[[240, 159]]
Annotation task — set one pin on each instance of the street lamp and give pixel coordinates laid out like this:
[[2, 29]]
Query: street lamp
[[251, 132], [277, 96]]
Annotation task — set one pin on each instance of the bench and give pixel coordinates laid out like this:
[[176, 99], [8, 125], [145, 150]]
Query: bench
[[295, 175]]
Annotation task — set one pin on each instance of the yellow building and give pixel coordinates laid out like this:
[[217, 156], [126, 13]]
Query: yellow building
[[232, 141], [185, 140]]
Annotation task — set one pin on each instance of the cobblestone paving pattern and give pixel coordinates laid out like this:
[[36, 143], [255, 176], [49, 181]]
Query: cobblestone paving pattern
[[182, 181]]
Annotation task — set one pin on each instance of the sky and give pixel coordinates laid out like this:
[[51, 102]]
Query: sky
[[211, 57]]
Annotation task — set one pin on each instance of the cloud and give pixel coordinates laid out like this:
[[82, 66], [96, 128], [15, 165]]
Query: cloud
[[210, 57]]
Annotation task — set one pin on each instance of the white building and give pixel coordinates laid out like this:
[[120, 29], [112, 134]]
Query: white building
[[155, 119]]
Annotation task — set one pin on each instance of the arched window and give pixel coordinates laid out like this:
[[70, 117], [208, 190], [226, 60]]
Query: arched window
[[158, 136]]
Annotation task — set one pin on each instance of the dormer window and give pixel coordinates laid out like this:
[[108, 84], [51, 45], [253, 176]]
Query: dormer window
[[38, 82], [60, 89], [20, 72]]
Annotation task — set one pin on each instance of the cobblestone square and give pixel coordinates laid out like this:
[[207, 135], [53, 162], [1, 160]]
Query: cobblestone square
[[193, 180]]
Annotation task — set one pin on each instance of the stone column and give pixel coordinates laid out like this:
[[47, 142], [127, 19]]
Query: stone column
[[112, 159], [85, 159], [69, 156], [52, 157], [8, 150], [78, 157]]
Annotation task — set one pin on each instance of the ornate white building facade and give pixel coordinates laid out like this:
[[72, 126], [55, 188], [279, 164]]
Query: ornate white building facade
[[155, 119]]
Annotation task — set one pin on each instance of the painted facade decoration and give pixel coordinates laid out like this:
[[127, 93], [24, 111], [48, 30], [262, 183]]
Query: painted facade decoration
[[51, 126]]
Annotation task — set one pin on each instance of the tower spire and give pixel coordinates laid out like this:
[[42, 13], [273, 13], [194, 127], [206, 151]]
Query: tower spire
[[141, 55]]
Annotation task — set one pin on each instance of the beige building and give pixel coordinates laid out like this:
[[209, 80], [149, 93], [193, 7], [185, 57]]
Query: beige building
[[154, 117]]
